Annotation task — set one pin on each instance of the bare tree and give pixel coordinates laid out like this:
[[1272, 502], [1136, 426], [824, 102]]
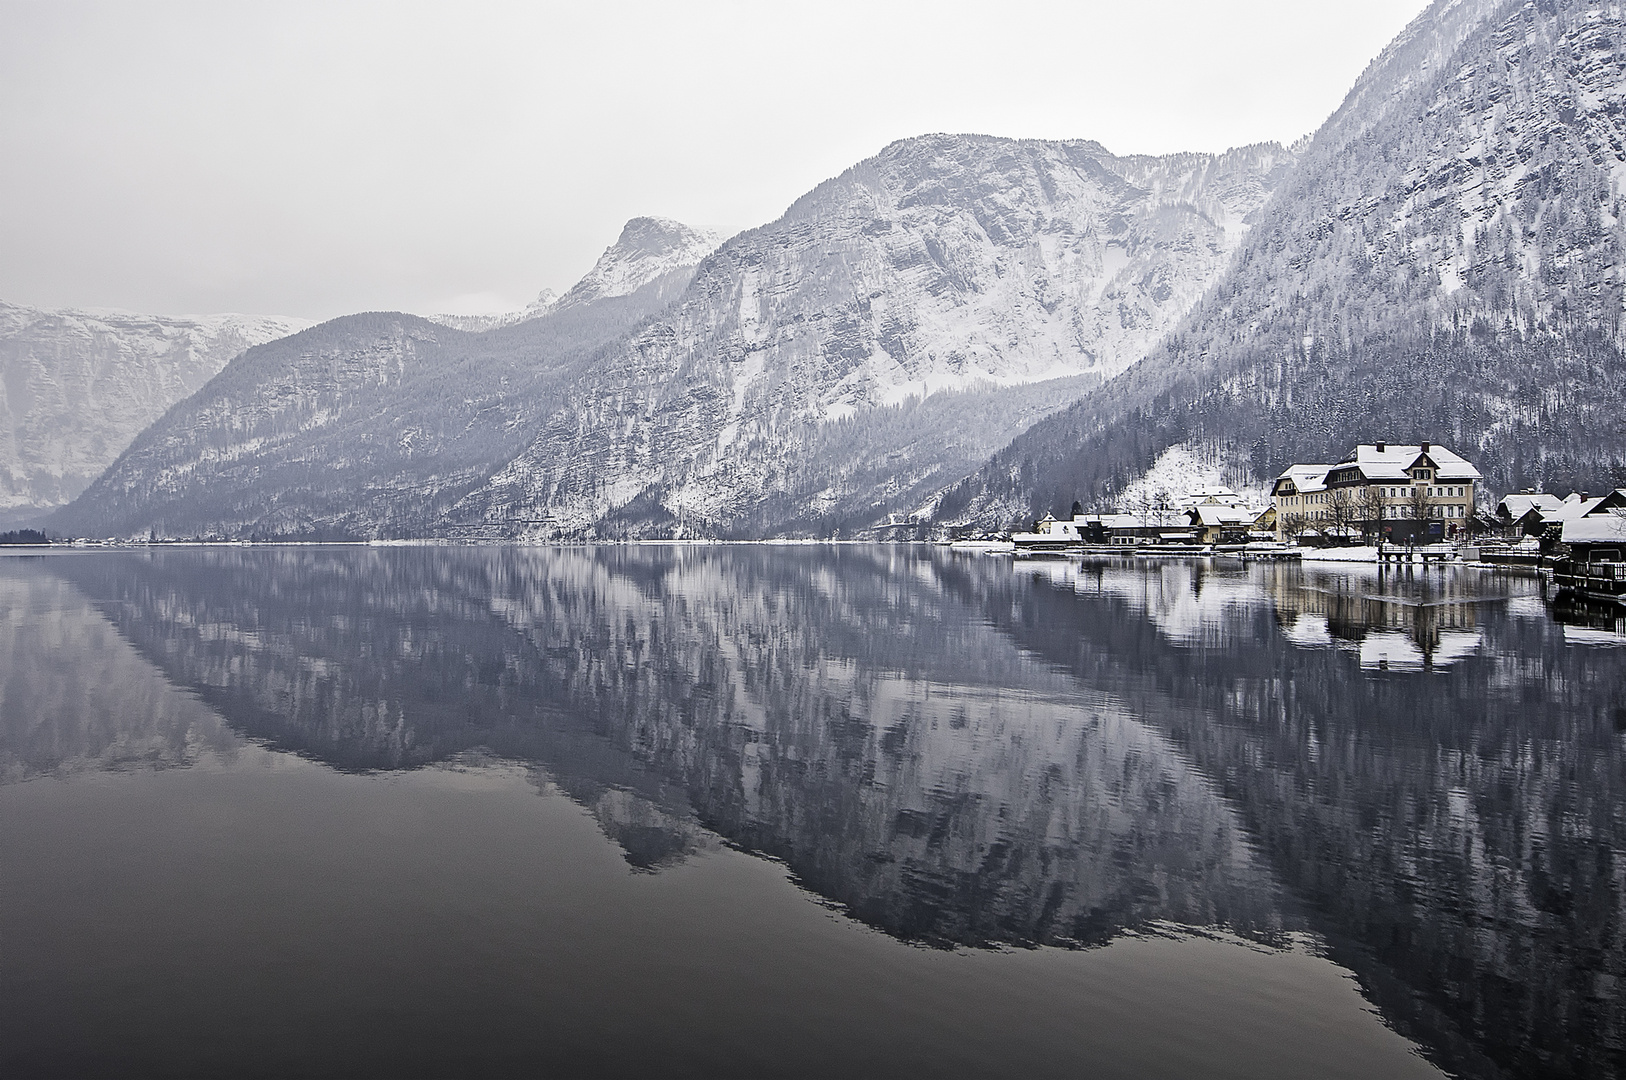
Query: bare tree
[[1163, 504], [1343, 510], [1371, 510], [1293, 525], [1142, 505], [1418, 503]]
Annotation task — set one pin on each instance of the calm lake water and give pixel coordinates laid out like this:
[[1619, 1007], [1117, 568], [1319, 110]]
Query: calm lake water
[[803, 811]]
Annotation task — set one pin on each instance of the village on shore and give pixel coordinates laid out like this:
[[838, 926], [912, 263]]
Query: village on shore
[[1383, 503], [1386, 503]]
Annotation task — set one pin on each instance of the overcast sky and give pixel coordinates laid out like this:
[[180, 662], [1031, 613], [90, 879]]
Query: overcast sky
[[318, 159]]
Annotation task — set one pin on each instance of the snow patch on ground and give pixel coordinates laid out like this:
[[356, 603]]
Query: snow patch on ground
[[1348, 554]]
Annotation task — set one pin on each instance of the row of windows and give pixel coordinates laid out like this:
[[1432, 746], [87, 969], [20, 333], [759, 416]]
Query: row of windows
[[1444, 511], [1449, 491], [1397, 513]]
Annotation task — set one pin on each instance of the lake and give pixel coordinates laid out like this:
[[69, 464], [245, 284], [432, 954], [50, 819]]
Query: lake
[[803, 811]]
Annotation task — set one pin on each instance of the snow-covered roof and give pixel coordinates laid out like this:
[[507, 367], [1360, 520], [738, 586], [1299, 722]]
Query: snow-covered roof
[[1117, 521], [1212, 514], [1598, 529], [1306, 478], [1394, 461], [1223, 496], [1519, 505], [1571, 509]]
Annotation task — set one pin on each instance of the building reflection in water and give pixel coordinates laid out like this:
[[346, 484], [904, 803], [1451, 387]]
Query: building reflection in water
[[1421, 769]]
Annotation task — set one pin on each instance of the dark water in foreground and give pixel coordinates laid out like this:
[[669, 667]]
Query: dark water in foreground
[[802, 811]]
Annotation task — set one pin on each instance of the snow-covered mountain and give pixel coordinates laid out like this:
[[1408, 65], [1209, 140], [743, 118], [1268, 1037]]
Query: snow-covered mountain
[[368, 424], [651, 252], [1445, 263], [839, 365], [77, 386], [1440, 261], [836, 367]]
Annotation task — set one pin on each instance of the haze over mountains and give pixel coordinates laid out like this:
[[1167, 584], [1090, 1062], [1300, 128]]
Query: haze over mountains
[[373, 424], [1438, 262], [77, 386]]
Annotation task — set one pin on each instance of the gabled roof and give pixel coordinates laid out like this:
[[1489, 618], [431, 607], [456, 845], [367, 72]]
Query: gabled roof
[[1309, 478], [1519, 505], [1571, 509], [1395, 461], [1605, 528], [1610, 502], [1222, 495]]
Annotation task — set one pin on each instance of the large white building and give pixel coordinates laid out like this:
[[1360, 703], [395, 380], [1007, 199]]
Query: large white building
[[1387, 489]]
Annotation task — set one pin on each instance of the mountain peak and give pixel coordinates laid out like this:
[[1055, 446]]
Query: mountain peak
[[648, 249]]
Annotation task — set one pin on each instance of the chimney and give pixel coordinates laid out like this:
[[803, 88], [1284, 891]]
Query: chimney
[[1425, 448], [1380, 447]]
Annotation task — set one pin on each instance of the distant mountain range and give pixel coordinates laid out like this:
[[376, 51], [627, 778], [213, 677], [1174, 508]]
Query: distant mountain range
[[77, 386], [373, 424], [897, 325], [966, 330]]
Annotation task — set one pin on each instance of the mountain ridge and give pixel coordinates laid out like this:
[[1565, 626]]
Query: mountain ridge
[[943, 263], [826, 371], [363, 426]]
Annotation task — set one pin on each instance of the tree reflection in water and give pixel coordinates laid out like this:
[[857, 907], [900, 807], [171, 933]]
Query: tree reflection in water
[[1424, 769]]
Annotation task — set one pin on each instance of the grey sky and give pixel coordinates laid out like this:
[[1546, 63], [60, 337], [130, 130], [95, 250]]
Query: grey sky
[[317, 159]]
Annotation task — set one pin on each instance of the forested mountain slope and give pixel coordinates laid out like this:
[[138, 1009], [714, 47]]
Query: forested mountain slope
[[1444, 264]]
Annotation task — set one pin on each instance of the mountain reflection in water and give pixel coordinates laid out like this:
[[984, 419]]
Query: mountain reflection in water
[[1425, 770]]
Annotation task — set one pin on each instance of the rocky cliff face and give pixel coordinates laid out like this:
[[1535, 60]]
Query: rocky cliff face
[[76, 387], [1443, 264], [651, 252], [370, 425], [903, 314]]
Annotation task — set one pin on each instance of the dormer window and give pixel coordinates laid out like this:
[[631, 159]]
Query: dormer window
[[1422, 474]]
